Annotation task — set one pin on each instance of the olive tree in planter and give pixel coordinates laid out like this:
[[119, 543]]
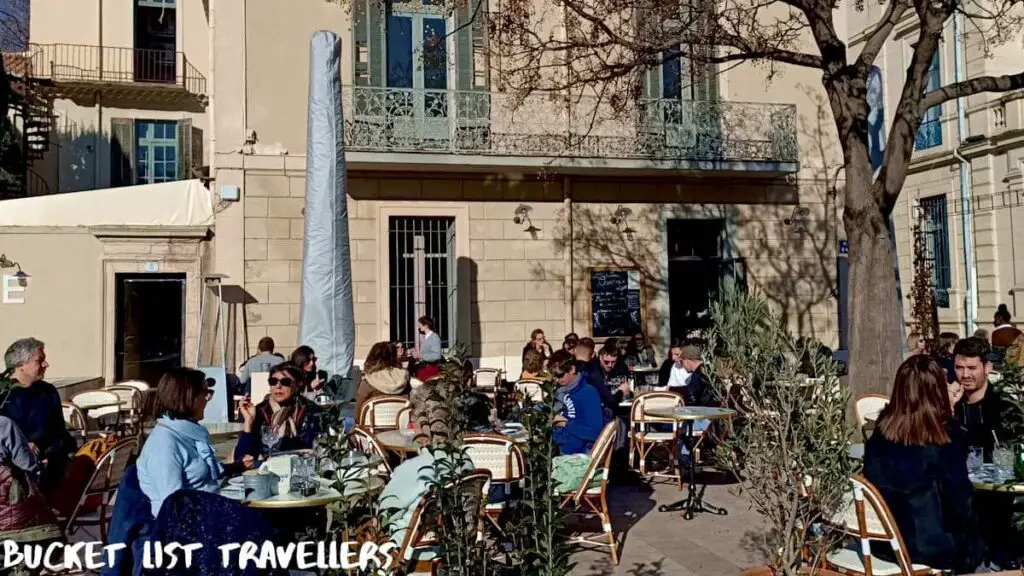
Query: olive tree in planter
[[789, 442]]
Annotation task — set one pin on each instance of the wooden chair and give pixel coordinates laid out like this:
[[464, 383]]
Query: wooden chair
[[530, 388], [867, 408], [866, 515], [590, 497], [642, 440], [418, 550], [364, 442], [503, 458], [103, 484], [380, 413]]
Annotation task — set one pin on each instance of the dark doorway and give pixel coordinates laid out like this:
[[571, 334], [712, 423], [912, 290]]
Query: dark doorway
[[155, 41], [150, 321], [698, 272]]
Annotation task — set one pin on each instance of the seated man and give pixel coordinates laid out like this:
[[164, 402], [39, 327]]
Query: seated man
[[581, 419], [696, 391], [609, 368], [263, 361], [35, 406], [980, 412]]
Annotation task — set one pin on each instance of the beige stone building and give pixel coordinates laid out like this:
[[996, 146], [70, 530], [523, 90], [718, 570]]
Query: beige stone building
[[971, 150], [493, 217]]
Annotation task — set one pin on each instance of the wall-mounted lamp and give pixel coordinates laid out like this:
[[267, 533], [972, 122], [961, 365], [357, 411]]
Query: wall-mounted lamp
[[621, 219], [6, 262], [522, 214], [798, 220]]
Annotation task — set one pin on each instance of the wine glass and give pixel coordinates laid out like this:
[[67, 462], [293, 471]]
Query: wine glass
[[270, 439]]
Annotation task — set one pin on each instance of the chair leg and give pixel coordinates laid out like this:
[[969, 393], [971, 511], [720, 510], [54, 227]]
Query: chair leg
[[606, 524]]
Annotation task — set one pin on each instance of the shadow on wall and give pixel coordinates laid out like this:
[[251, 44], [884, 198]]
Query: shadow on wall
[[468, 267], [785, 234], [78, 153]]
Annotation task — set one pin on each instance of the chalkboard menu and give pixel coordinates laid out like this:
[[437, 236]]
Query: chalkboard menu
[[615, 303]]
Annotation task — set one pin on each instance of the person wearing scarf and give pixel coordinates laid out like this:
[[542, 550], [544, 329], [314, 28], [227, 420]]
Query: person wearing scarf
[[178, 454], [293, 418]]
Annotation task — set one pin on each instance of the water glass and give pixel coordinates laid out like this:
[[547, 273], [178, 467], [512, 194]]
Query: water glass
[[975, 458], [1003, 459], [303, 476]]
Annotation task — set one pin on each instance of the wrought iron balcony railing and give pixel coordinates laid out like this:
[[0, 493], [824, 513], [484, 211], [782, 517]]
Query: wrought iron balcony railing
[[499, 124], [80, 64]]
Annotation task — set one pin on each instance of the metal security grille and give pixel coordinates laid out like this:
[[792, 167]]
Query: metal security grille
[[936, 229], [421, 257]]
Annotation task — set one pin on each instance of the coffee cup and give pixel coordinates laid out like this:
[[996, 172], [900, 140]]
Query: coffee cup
[[256, 485]]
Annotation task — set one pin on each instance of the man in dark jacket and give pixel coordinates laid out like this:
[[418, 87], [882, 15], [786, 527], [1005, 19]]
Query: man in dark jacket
[[982, 409], [609, 368], [35, 406]]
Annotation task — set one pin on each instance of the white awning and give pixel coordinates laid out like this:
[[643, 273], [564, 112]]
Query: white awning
[[181, 203]]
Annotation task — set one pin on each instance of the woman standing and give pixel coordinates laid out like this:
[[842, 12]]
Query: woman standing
[[285, 420], [917, 458]]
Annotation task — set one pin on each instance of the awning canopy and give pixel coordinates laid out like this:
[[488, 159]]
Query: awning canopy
[[181, 203]]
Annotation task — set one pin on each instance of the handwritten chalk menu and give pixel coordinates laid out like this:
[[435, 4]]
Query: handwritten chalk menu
[[615, 302]]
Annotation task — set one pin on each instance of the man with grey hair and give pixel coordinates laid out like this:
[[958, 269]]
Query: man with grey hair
[[34, 405]]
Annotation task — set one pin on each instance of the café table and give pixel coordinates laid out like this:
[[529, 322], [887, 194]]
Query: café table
[[694, 502], [991, 479], [404, 441]]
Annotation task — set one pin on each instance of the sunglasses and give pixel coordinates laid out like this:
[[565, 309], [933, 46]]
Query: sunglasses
[[274, 381], [560, 375]]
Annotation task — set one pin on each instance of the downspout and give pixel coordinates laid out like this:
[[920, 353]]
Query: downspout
[[571, 274], [210, 86], [966, 212]]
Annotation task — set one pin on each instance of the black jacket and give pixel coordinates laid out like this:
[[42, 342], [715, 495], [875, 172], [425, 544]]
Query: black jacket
[[931, 499], [307, 423], [981, 422]]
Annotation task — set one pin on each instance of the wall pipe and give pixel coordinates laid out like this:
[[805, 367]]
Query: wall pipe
[[966, 212], [211, 89]]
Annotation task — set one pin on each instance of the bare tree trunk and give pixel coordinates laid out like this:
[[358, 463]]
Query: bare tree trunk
[[874, 311]]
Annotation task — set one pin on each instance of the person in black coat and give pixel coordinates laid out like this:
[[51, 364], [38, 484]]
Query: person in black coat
[[285, 410], [917, 458]]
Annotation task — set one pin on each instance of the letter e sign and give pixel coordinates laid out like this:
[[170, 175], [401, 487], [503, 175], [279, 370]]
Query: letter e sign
[[11, 290]]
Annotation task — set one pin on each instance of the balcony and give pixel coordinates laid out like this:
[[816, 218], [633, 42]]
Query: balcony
[[77, 72], [466, 127]]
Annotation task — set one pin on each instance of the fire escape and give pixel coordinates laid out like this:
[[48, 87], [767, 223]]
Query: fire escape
[[32, 107]]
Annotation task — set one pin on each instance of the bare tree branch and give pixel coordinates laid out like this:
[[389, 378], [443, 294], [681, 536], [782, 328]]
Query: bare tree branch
[[881, 33], [970, 87]]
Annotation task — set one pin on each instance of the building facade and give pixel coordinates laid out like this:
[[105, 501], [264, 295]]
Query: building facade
[[965, 188], [496, 215]]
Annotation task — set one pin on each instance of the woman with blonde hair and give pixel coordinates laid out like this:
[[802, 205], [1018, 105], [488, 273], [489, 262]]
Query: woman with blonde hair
[[382, 375]]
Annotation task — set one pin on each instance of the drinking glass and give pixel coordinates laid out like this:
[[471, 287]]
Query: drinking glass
[[975, 458], [270, 440], [1003, 459]]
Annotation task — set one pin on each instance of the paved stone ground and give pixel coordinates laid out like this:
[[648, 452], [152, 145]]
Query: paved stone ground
[[654, 543]]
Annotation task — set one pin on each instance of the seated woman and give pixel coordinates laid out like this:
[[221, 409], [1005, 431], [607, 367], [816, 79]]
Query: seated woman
[[382, 375], [533, 365], [178, 454], [411, 480], [917, 458], [24, 513], [305, 359], [285, 413]]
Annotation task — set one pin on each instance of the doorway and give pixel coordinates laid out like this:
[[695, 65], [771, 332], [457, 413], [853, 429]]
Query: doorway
[[698, 272], [150, 325]]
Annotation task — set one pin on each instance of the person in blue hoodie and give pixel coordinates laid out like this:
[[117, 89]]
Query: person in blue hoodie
[[581, 418]]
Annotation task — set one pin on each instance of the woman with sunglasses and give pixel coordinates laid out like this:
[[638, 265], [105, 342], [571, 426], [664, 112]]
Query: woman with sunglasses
[[178, 454], [285, 420]]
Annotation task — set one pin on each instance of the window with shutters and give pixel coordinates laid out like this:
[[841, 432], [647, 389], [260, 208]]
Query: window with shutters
[[156, 151]]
